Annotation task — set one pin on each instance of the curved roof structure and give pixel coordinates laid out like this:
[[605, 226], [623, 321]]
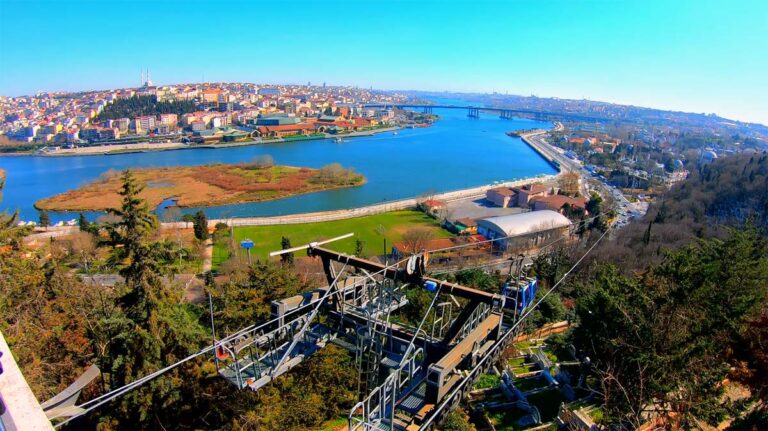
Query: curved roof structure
[[519, 224]]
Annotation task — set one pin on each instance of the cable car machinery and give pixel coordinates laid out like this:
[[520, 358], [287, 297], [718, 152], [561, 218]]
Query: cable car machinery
[[404, 371]]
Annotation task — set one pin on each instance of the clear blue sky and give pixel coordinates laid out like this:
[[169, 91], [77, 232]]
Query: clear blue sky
[[696, 55]]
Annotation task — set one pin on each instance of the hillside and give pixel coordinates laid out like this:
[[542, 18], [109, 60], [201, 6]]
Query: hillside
[[731, 192], [144, 105]]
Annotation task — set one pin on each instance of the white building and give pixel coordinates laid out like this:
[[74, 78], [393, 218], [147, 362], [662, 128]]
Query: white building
[[525, 230]]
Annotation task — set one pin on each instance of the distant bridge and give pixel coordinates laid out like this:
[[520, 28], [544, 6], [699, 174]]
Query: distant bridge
[[504, 113]]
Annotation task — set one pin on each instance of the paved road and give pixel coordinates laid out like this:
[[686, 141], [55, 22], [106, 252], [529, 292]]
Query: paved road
[[625, 209]]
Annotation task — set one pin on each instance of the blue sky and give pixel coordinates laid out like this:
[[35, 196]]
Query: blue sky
[[698, 55]]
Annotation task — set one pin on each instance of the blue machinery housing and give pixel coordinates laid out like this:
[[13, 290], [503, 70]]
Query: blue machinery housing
[[520, 293]]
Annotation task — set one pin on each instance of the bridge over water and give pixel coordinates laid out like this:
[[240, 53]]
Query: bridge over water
[[504, 113]]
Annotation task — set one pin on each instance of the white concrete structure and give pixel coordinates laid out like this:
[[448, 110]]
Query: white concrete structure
[[22, 410], [531, 227]]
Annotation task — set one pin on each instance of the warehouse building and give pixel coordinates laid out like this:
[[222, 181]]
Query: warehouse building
[[526, 230]]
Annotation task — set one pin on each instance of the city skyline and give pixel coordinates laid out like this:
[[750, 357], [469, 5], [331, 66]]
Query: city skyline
[[685, 56]]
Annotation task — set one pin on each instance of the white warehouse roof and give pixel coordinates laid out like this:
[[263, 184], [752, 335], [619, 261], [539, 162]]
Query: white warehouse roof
[[519, 224]]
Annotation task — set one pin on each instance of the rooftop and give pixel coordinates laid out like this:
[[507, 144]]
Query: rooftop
[[519, 224]]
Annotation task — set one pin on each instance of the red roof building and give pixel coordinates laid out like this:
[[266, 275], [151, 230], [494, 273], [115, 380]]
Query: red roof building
[[285, 130]]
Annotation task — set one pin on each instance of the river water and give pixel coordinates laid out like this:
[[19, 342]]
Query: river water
[[455, 153]]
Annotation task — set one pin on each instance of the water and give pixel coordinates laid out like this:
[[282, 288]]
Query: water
[[455, 153]]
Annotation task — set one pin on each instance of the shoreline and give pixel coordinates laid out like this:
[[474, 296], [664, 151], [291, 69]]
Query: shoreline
[[203, 205], [342, 214], [107, 150], [331, 215], [548, 152]]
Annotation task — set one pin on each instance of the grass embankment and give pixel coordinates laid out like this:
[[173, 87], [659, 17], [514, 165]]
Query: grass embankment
[[207, 185], [372, 230]]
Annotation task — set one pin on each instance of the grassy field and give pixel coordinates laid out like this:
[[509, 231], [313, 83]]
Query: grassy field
[[486, 381], [370, 229], [206, 185]]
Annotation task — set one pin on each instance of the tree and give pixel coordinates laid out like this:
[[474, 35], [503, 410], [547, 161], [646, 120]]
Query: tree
[[45, 219], [171, 214], [665, 337], [550, 267], [416, 239], [188, 218], [359, 247], [200, 226], [286, 258], [248, 294], [83, 224], [569, 183], [594, 204], [263, 162], [150, 328], [457, 420]]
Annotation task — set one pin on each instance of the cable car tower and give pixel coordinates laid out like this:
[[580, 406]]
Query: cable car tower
[[405, 370]]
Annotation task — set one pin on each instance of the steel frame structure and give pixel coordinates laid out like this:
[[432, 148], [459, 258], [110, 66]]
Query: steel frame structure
[[404, 371]]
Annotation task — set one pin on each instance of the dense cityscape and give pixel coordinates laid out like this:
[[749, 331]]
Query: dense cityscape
[[208, 112]]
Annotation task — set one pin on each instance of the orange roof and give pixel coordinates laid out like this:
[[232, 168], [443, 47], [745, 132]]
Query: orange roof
[[536, 188], [558, 201], [504, 191], [434, 203]]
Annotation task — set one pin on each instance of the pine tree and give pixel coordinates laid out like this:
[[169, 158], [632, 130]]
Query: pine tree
[[152, 328]]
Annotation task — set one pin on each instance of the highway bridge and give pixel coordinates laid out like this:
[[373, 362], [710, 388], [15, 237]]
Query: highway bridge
[[504, 113]]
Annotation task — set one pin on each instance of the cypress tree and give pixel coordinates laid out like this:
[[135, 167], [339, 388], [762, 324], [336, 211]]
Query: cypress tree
[[200, 226], [83, 223], [286, 258], [45, 219]]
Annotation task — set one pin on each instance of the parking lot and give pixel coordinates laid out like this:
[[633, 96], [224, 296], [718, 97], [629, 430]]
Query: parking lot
[[476, 208]]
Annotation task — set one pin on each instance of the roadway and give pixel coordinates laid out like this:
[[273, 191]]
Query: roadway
[[625, 210]]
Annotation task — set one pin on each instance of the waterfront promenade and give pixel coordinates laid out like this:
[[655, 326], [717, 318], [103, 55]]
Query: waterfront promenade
[[323, 216], [97, 150]]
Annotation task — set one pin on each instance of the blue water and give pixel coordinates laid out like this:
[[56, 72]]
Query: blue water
[[455, 153]]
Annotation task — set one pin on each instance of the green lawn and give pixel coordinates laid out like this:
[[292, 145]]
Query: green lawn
[[370, 229], [486, 381]]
